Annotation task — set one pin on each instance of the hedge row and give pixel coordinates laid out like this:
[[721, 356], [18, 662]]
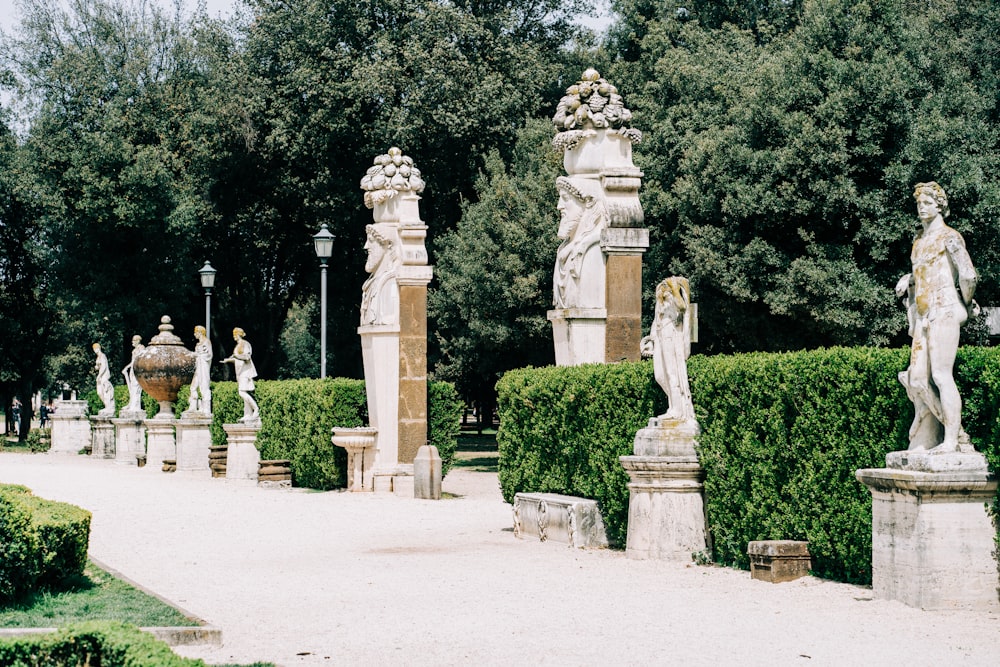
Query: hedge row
[[298, 416], [104, 643], [782, 435], [42, 542]]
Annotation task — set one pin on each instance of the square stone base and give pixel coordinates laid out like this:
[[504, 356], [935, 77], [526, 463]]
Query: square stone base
[[779, 560], [566, 519], [933, 541]]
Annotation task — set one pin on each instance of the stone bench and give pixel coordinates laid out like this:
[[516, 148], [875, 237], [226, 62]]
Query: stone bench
[[779, 560], [566, 519]]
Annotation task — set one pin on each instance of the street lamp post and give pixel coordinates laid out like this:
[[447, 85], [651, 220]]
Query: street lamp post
[[208, 282], [323, 240]]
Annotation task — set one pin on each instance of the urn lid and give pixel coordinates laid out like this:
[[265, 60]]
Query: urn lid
[[166, 335]]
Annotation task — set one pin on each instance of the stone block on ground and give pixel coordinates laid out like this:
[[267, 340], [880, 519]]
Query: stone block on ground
[[779, 560], [559, 518], [427, 473]]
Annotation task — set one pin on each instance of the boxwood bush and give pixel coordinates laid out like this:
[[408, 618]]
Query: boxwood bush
[[782, 435], [42, 542], [104, 643]]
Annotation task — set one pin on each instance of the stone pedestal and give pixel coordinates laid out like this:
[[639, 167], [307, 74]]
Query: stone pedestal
[[623, 247], [161, 444], [360, 446], [933, 541], [70, 428], [194, 438], [554, 517], [579, 335], [130, 437], [666, 511], [243, 459], [427, 473], [102, 438]]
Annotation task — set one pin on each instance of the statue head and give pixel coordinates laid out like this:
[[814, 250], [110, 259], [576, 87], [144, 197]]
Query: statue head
[[931, 200], [238, 333], [378, 246], [96, 347], [200, 332], [578, 200], [673, 297], [136, 340]]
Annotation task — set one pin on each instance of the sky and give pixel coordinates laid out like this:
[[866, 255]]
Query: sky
[[8, 12]]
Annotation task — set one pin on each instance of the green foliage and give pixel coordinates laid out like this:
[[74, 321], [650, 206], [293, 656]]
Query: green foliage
[[149, 404], [782, 435], [42, 542], [494, 270], [779, 172], [39, 440], [105, 643], [562, 430], [298, 417]]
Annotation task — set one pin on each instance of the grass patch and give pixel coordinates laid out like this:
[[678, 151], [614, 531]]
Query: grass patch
[[476, 463], [472, 442], [12, 445], [97, 595]]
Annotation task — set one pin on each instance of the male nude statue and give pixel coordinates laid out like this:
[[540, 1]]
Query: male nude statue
[[938, 296]]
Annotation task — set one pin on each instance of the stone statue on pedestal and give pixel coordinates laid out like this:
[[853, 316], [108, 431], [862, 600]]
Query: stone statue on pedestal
[[669, 344], [201, 390], [242, 360], [105, 390], [938, 295], [134, 389]]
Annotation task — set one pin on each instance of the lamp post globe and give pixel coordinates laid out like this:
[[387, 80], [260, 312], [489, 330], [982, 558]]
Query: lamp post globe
[[323, 243]]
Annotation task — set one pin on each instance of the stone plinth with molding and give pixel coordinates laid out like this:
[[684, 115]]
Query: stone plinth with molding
[[102, 438], [666, 511], [70, 428], [161, 442], [554, 517], [243, 458], [933, 540], [778, 561], [130, 437], [194, 440]]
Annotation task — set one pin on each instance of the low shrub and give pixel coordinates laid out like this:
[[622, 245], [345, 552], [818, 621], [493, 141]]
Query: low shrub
[[95, 405], [782, 435], [104, 643], [42, 542]]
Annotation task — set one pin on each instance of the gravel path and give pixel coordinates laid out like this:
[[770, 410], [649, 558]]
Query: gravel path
[[305, 578]]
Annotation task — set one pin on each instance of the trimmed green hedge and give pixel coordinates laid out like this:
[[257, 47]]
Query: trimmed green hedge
[[298, 416], [104, 643], [782, 435], [42, 542]]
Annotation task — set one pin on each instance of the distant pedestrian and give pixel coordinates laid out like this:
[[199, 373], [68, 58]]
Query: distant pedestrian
[[43, 413], [16, 411]]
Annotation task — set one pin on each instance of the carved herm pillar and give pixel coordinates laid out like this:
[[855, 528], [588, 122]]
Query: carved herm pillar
[[597, 281]]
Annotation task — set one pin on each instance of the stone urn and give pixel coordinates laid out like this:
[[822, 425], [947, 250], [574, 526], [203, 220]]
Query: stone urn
[[164, 367]]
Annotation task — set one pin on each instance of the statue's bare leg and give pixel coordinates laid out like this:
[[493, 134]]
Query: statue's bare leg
[[943, 340]]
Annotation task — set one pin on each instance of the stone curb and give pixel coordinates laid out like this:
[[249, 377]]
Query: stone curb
[[199, 635]]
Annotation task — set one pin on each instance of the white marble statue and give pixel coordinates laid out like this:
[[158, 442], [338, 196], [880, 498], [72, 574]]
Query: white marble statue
[[242, 360], [105, 390], [201, 389], [669, 344], [578, 278], [380, 293], [134, 390], [938, 296]]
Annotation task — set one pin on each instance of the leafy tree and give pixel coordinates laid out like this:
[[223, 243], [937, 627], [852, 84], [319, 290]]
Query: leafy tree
[[779, 174], [494, 271]]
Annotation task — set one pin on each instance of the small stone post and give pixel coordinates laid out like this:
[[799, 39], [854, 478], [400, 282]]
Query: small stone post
[[427, 473]]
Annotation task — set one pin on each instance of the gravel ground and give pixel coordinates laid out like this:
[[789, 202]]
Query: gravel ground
[[306, 578]]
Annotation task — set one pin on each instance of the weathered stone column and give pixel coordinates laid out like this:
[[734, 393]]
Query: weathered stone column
[[70, 428], [597, 281], [102, 438], [933, 540]]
